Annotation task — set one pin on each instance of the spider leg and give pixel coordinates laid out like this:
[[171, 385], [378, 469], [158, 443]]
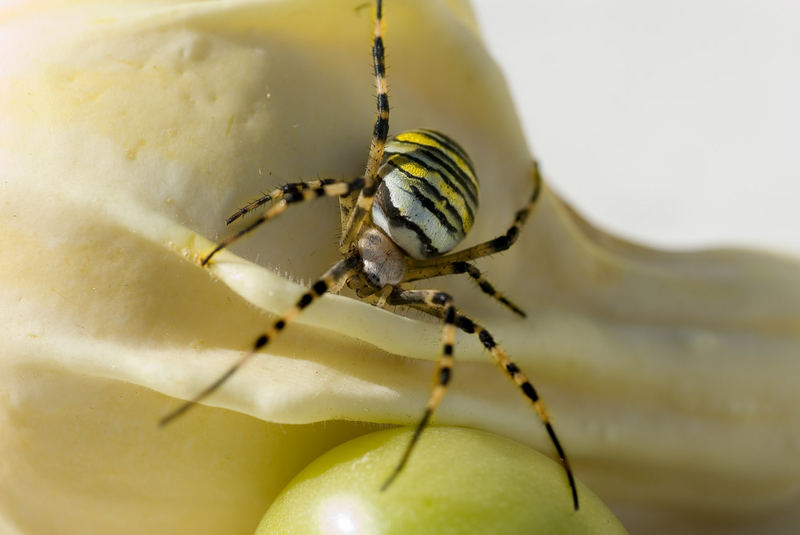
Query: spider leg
[[453, 268], [503, 362], [501, 243], [333, 277], [380, 131], [436, 300], [277, 194], [290, 194]]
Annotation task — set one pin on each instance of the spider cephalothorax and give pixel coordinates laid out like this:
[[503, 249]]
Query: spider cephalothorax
[[416, 201]]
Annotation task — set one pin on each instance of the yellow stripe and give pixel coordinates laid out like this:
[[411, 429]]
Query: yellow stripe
[[423, 139], [449, 167], [413, 168], [455, 199]]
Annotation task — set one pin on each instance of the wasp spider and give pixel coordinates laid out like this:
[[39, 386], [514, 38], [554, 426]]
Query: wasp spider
[[416, 201]]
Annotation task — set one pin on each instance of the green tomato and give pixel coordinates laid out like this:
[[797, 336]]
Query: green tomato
[[457, 481]]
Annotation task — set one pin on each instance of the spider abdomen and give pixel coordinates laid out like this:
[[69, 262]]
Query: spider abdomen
[[428, 197]]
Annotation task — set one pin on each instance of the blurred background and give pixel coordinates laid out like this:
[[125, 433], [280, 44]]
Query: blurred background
[[672, 123]]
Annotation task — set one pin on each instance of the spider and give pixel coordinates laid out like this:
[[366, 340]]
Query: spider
[[416, 201]]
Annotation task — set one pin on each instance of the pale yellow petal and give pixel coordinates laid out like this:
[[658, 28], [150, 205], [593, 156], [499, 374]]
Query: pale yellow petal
[[129, 132]]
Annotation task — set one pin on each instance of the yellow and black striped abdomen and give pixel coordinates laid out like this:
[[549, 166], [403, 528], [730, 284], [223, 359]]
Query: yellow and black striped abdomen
[[428, 196]]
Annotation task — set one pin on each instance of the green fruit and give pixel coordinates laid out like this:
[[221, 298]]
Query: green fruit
[[457, 481]]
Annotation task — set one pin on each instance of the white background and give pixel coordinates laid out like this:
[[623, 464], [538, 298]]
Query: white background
[[675, 123]]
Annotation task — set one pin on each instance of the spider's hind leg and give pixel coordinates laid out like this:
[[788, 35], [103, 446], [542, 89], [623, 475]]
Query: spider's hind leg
[[453, 268], [411, 298], [440, 301], [500, 243]]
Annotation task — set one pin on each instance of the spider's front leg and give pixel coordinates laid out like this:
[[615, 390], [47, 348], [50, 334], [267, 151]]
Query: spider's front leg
[[357, 213], [333, 278], [277, 194], [292, 193]]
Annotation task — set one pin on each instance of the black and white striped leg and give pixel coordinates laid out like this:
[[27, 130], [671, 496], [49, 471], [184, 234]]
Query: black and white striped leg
[[420, 273], [277, 194], [512, 370], [380, 132], [332, 278], [439, 300], [501, 243], [290, 194]]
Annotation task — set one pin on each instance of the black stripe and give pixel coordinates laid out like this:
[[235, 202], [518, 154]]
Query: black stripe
[[447, 163], [453, 166], [293, 188], [431, 207], [461, 267], [451, 144], [465, 324], [501, 243], [487, 340], [444, 375], [381, 129], [469, 185], [446, 167], [432, 192], [446, 172], [369, 190], [383, 101], [487, 287], [261, 342], [513, 233], [377, 57], [356, 184], [529, 391], [320, 287], [396, 219], [305, 300]]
